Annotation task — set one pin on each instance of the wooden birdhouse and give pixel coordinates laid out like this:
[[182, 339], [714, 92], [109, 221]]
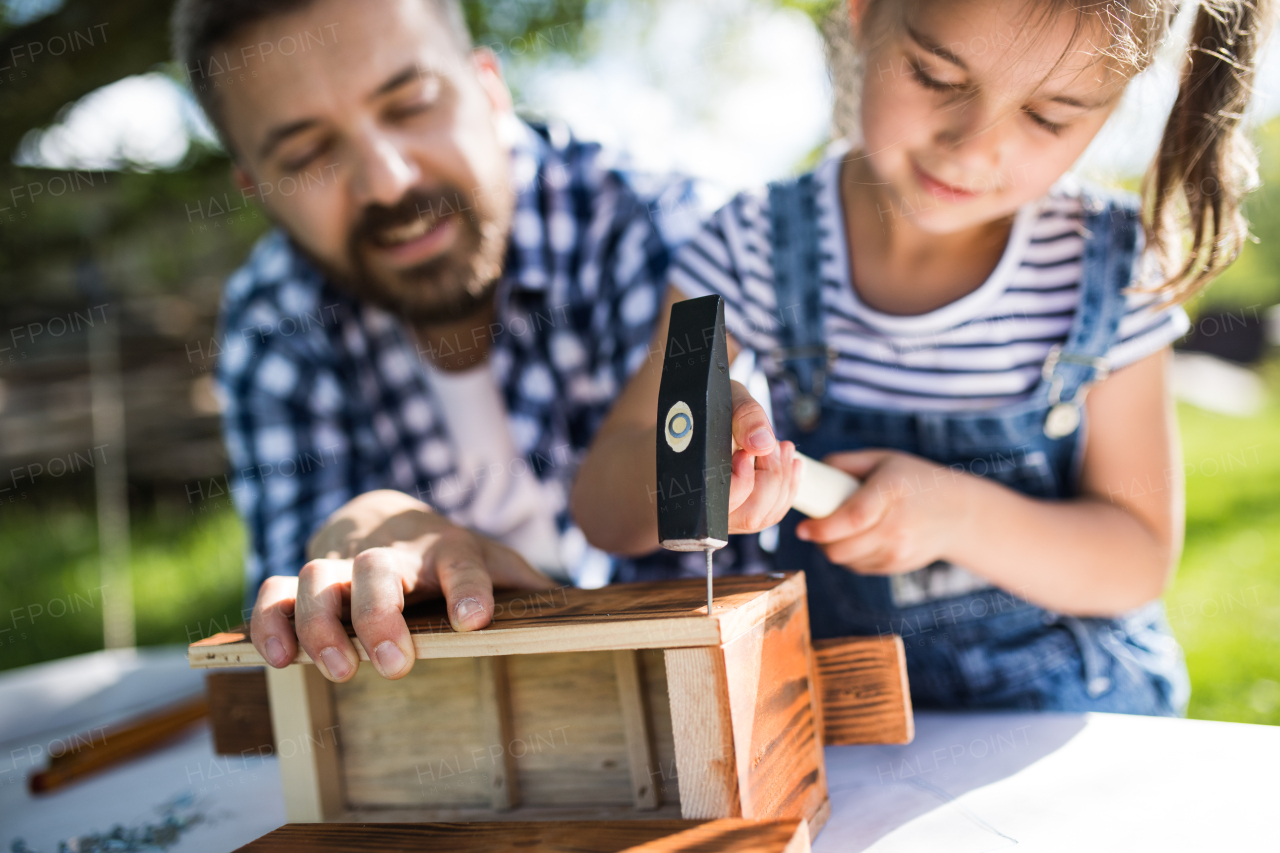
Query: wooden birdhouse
[[625, 702]]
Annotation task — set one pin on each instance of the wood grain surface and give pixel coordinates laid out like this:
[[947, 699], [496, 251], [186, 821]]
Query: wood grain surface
[[658, 615], [423, 742], [865, 697], [239, 715], [637, 727], [634, 836], [98, 749], [703, 729], [780, 766]]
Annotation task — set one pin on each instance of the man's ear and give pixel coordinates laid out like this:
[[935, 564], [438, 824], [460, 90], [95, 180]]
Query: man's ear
[[488, 70], [242, 180]]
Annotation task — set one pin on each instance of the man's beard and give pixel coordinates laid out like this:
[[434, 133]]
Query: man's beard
[[449, 287]]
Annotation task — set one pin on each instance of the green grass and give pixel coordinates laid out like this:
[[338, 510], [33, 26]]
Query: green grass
[[1224, 604], [186, 579]]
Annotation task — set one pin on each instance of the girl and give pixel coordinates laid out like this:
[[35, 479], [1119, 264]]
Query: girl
[[948, 317]]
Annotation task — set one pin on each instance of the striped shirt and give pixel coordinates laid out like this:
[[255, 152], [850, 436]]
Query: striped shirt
[[980, 351]]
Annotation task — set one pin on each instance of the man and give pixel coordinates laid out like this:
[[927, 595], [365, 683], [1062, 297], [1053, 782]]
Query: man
[[423, 349]]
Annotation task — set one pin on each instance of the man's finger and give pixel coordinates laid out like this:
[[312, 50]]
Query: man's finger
[[751, 427], [458, 563], [377, 608], [322, 590], [269, 627], [509, 570]]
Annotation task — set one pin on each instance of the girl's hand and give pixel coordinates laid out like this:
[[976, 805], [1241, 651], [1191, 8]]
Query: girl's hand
[[766, 472], [907, 514]]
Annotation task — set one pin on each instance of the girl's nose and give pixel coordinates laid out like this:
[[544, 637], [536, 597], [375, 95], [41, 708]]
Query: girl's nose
[[976, 136]]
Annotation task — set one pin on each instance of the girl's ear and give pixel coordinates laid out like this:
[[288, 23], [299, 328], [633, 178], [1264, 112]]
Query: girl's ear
[[857, 10]]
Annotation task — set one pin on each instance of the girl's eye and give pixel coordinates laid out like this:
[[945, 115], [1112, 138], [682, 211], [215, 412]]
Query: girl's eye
[[1053, 127], [933, 83]]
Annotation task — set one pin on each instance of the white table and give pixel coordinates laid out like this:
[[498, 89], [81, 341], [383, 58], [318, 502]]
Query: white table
[[969, 782]]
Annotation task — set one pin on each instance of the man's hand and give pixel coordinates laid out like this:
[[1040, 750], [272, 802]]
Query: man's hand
[[377, 553], [907, 514], [766, 472]]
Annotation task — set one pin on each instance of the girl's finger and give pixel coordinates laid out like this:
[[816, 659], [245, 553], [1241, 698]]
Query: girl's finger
[[859, 463], [864, 553], [862, 511], [743, 481], [789, 476], [751, 428], [754, 513]]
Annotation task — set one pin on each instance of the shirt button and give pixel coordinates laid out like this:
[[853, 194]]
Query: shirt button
[[1098, 686]]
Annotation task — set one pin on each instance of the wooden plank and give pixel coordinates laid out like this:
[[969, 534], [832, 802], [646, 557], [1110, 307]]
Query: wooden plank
[[780, 767], [637, 727], [497, 730], [305, 729], [570, 746], [865, 696], [658, 704], [239, 711], [633, 836], [703, 731], [789, 588], [99, 749], [416, 741], [660, 615]]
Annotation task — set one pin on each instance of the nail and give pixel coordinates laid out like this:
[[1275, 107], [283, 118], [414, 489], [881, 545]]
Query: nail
[[389, 657], [336, 662], [802, 534], [465, 609], [761, 439], [276, 655]]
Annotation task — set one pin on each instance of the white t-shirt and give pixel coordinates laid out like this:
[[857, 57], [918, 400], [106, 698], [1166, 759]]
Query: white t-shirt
[[511, 504]]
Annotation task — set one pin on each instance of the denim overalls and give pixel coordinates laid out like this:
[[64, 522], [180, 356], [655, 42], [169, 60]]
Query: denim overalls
[[984, 647]]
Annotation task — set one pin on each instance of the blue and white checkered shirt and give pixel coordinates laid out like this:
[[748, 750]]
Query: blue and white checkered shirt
[[326, 397]]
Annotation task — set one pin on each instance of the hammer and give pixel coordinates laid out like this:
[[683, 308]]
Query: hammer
[[695, 439]]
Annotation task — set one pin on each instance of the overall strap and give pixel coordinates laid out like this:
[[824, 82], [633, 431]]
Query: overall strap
[[802, 358], [1111, 227]]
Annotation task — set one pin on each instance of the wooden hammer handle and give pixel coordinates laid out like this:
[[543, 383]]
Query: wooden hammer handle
[[822, 488]]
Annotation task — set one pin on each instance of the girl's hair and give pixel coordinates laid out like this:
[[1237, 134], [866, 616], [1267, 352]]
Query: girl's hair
[[1205, 165]]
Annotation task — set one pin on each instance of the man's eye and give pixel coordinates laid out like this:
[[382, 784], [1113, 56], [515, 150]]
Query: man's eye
[[299, 162], [411, 109], [1052, 126]]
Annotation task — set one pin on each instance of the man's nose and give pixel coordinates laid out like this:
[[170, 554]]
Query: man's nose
[[384, 172]]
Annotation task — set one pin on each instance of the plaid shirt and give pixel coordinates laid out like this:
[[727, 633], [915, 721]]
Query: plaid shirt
[[325, 397]]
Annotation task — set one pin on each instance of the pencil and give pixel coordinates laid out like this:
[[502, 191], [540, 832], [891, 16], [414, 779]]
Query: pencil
[[127, 740]]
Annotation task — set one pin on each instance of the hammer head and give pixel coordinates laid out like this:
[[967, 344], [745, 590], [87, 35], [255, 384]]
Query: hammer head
[[695, 438]]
